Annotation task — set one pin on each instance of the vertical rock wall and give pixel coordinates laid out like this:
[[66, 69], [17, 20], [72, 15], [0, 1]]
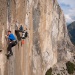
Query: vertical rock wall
[[47, 35], [3, 23]]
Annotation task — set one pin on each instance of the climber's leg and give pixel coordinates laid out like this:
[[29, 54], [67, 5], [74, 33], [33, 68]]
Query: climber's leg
[[11, 44], [9, 50]]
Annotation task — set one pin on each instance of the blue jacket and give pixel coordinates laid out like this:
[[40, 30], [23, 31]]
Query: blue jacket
[[11, 37]]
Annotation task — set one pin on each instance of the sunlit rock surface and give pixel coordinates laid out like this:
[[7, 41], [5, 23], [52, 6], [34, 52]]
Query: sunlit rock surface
[[47, 43]]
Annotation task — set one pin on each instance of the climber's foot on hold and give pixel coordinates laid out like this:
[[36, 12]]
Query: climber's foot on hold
[[8, 55], [0, 50]]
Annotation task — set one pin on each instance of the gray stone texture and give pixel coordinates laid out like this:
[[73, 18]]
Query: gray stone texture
[[47, 45]]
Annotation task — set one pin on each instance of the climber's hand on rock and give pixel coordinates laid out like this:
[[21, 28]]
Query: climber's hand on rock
[[10, 42], [6, 36]]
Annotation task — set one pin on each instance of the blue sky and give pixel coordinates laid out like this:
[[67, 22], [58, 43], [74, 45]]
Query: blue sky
[[68, 7]]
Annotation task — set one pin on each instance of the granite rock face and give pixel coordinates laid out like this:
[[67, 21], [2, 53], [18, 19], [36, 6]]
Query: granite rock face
[[47, 43]]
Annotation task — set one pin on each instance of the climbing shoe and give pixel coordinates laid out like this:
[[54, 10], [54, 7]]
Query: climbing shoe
[[8, 55]]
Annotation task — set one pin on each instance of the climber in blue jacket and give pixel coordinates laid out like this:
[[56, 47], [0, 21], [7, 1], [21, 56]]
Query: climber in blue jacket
[[12, 42]]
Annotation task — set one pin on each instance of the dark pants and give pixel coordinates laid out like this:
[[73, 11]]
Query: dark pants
[[9, 48]]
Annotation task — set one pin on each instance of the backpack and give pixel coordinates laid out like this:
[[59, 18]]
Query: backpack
[[24, 34]]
